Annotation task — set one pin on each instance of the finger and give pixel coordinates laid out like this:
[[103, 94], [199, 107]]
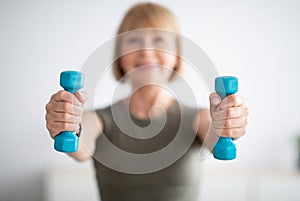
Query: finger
[[64, 96], [231, 101], [82, 96], [231, 112], [56, 128], [231, 132], [63, 117], [230, 123], [64, 107], [215, 100]]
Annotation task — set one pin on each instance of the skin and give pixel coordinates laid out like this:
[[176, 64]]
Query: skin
[[227, 117]]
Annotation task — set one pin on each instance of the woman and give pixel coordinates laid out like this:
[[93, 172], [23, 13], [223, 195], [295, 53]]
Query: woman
[[142, 65]]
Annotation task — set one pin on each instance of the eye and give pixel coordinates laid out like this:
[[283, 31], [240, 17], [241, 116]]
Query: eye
[[158, 39], [134, 40]]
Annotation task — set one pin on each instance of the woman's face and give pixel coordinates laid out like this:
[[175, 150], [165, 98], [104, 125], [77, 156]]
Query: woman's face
[[148, 52]]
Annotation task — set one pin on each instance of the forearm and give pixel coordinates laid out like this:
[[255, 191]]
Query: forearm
[[202, 124], [205, 130], [82, 153], [91, 130]]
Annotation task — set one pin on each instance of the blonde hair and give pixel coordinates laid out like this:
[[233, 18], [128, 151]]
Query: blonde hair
[[147, 15]]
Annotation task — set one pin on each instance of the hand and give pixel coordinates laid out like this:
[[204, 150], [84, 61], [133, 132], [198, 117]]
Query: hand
[[229, 116], [64, 112]]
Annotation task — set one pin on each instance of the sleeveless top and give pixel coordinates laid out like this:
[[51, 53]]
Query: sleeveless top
[[176, 182]]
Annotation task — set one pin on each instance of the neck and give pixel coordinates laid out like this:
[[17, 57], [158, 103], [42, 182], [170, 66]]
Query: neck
[[150, 97]]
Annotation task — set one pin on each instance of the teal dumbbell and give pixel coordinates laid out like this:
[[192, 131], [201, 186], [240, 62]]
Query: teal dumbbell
[[225, 149], [67, 141]]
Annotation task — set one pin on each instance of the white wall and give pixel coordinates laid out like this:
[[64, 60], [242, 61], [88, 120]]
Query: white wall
[[256, 40]]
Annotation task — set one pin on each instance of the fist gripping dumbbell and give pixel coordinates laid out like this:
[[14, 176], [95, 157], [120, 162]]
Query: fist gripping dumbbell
[[67, 141], [225, 148]]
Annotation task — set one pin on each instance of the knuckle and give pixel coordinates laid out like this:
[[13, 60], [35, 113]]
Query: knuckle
[[64, 116], [52, 97], [65, 106], [228, 123], [62, 95], [229, 112], [47, 117], [48, 107], [231, 98]]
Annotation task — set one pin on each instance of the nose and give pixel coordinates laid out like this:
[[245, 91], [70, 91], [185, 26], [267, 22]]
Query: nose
[[147, 47], [147, 52]]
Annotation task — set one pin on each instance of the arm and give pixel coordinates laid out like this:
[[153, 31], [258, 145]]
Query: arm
[[91, 129], [203, 128]]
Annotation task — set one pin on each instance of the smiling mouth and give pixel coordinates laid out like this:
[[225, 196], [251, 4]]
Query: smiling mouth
[[147, 66]]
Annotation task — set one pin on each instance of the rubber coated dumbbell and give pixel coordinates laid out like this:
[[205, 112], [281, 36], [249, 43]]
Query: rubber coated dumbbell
[[67, 141], [225, 148]]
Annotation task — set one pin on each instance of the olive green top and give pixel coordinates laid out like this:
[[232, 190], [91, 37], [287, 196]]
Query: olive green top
[[177, 182]]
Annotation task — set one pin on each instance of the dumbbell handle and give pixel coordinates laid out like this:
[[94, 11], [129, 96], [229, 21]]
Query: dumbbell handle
[[225, 149], [67, 141]]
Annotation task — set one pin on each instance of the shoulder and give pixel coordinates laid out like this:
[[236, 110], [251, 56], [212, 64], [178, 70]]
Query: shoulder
[[105, 114], [107, 110]]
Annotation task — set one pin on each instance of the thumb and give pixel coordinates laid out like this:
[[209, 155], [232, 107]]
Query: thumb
[[214, 99], [82, 96]]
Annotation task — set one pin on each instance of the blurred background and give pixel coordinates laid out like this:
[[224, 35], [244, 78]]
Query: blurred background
[[256, 40]]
